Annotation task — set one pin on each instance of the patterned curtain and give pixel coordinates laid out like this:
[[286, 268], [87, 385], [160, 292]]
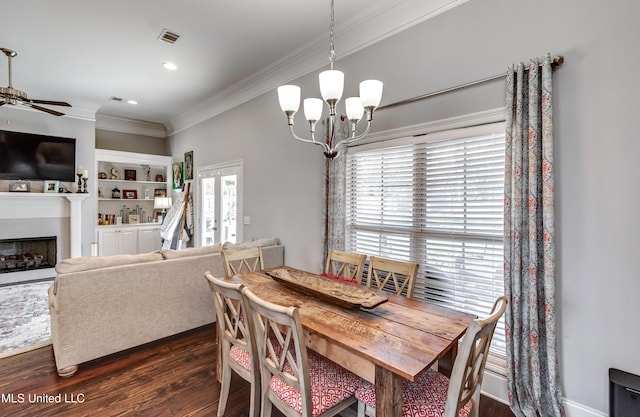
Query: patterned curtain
[[529, 243], [334, 207]]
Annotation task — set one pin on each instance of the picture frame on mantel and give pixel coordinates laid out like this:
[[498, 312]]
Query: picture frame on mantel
[[51, 186], [19, 186]]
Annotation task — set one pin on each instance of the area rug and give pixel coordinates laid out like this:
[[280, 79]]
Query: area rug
[[25, 323]]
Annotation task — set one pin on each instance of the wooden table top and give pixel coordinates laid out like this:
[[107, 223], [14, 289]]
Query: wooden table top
[[403, 336]]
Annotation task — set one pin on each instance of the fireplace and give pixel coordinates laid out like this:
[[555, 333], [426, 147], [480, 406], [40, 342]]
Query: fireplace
[[24, 254]]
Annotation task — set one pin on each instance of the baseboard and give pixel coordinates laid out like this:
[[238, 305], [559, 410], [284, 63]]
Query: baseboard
[[494, 386], [574, 409]]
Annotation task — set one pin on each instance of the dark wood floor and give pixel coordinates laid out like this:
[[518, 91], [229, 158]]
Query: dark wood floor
[[172, 377]]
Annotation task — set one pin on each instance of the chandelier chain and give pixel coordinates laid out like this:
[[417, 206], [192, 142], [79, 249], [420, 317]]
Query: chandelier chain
[[332, 52]]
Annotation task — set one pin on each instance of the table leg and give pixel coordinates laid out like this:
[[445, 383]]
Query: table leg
[[445, 364], [388, 393]]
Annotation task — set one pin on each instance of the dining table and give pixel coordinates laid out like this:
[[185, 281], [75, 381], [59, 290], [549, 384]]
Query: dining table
[[392, 342]]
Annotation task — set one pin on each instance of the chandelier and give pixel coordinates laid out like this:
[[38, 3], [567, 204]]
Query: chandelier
[[331, 87]]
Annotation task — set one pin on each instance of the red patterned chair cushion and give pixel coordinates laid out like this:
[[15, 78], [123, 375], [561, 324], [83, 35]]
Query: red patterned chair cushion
[[240, 356], [330, 385], [424, 398]]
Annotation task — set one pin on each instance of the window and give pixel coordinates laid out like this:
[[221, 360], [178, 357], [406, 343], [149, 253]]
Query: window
[[436, 200]]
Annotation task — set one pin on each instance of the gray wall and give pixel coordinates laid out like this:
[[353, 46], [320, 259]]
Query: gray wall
[[129, 142], [596, 147]]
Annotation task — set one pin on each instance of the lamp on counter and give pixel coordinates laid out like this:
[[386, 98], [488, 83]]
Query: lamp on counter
[[162, 203]]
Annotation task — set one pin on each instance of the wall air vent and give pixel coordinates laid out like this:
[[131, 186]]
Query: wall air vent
[[168, 36]]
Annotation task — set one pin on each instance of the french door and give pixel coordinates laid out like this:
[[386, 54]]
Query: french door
[[219, 204]]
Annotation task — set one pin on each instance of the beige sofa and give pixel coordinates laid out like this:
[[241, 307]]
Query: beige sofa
[[103, 305]]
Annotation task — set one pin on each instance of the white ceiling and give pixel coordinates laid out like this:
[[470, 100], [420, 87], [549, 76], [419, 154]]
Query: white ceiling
[[86, 51]]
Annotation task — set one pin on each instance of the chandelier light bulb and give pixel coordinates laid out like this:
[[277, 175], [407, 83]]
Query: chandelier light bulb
[[371, 93], [289, 97], [354, 108], [313, 109], [331, 85]]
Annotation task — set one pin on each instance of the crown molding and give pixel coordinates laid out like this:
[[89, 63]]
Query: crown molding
[[353, 36], [136, 127]]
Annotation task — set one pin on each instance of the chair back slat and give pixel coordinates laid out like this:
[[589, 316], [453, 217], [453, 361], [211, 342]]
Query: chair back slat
[[242, 260], [392, 275], [345, 264]]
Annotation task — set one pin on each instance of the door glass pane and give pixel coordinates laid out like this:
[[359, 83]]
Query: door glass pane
[[208, 223], [229, 185]]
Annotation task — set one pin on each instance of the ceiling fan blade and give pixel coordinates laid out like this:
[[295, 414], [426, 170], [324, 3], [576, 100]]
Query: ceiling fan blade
[[53, 112], [50, 103]]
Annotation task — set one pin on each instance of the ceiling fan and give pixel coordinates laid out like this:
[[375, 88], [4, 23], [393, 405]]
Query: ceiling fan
[[10, 95]]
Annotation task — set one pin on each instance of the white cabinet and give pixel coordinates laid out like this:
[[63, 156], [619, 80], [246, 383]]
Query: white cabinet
[[118, 240], [149, 239], [113, 240]]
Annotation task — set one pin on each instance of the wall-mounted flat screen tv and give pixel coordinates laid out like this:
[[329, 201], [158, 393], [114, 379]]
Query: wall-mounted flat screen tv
[[28, 156]]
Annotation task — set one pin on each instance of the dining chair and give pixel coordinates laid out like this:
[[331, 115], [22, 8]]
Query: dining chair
[[297, 382], [393, 275], [344, 264], [242, 260], [237, 346], [433, 394]]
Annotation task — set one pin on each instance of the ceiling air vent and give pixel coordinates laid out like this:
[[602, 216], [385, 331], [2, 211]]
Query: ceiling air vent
[[168, 36], [114, 98]]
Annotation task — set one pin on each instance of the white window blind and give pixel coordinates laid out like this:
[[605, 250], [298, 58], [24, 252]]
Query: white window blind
[[437, 201]]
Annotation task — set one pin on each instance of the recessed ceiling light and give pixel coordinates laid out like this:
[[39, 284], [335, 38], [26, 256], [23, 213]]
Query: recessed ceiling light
[[169, 66], [132, 102]]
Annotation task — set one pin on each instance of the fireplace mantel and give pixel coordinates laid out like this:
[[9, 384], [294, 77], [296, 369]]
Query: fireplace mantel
[[34, 205]]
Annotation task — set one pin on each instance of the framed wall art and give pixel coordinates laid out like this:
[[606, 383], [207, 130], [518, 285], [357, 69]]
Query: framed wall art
[[177, 175], [188, 165]]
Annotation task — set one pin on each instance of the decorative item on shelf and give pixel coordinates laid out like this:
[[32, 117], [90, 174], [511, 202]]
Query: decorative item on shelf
[[115, 193], [100, 193], [130, 194], [331, 87], [147, 171], [159, 192], [159, 178], [102, 175], [19, 186], [85, 177], [51, 186], [130, 174], [162, 203], [115, 173], [134, 219], [147, 194], [79, 174]]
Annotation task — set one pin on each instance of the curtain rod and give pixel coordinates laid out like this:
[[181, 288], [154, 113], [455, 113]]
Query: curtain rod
[[555, 63]]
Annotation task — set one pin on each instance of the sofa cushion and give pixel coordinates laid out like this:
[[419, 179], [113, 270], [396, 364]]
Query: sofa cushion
[[86, 263], [271, 241], [182, 253]]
